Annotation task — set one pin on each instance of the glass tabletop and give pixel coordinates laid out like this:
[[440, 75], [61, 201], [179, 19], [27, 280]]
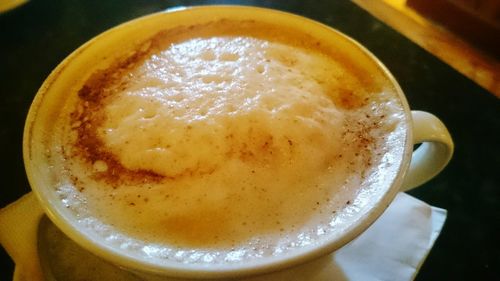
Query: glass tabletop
[[36, 36]]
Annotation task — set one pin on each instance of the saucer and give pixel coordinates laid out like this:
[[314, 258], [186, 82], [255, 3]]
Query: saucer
[[393, 248]]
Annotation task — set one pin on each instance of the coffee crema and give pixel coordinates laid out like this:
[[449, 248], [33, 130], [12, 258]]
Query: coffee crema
[[227, 141]]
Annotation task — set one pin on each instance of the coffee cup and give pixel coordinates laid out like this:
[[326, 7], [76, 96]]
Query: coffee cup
[[132, 193]]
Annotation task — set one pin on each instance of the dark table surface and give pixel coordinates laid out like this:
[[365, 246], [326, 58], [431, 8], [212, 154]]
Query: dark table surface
[[35, 37]]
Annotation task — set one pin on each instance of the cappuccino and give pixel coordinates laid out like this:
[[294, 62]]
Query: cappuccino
[[226, 142]]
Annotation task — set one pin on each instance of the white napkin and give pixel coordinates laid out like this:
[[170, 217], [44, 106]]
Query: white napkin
[[18, 235], [393, 248]]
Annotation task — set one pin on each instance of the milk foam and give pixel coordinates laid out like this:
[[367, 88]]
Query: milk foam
[[229, 148], [224, 98]]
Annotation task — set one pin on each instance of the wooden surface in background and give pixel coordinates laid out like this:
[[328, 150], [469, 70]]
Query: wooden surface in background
[[476, 64]]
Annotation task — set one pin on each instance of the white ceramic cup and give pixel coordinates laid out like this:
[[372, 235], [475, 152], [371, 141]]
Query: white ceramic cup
[[417, 166]]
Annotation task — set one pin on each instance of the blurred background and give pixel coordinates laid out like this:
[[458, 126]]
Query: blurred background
[[444, 53]]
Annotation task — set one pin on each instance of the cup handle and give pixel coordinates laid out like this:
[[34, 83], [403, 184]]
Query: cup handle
[[434, 152]]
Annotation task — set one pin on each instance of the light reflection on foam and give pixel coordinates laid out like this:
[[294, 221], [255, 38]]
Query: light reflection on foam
[[235, 255]]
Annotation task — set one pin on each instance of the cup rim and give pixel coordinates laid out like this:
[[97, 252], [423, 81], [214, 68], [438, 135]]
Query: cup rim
[[220, 271]]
